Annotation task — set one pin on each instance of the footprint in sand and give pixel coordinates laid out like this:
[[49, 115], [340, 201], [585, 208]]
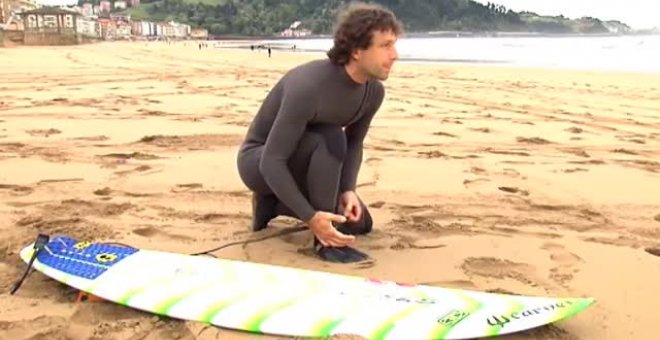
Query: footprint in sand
[[377, 204], [657, 217], [109, 321], [565, 261], [132, 155], [151, 231], [43, 132], [499, 269], [41, 327], [99, 138], [187, 187], [478, 171], [444, 134], [533, 140], [141, 168], [458, 284], [373, 160], [653, 251], [471, 182], [16, 190], [514, 190], [625, 151], [575, 130], [577, 151], [432, 154], [511, 172], [570, 171]]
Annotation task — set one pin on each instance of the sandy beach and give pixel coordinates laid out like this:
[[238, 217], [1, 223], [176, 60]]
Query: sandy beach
[[526, 181]]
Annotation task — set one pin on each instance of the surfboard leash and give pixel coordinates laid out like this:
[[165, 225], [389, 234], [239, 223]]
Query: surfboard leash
[[39, 244], [252, 240]]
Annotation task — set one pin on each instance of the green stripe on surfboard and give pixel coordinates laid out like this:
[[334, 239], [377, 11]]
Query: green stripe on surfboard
[[255, 322], [387, 326], [325, 327], [449, 321], [166, 305], [157, 281], [515, 308], [577, 305], [382, 331], [211, 312]]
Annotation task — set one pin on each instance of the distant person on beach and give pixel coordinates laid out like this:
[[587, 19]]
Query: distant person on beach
[[303, 150], [268, 51]]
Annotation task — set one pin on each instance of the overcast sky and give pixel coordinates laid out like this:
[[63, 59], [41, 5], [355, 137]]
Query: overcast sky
[[639, 14]]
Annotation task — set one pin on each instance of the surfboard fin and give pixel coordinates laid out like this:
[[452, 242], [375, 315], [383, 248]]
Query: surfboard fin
[[39, 244], [84, 296]]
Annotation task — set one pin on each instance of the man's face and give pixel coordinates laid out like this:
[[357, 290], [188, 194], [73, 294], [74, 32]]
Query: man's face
[[376, 61]]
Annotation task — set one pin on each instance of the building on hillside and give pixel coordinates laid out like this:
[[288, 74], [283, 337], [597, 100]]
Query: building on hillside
[[172, 30], [181, 31], [143, 28], [115, 27], [120, 17], [295, 30], [120, 4], [10, 18], [199, 33], [163, 29], [50, 26], [88, 26], [107, 28], [123, 31], [87, 9], [105, 7]]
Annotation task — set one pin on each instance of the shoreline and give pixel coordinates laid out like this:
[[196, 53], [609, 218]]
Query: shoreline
[[513, 65], [449, 34]]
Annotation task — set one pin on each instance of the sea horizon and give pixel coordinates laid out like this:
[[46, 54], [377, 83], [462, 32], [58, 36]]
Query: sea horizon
[[606, 52]]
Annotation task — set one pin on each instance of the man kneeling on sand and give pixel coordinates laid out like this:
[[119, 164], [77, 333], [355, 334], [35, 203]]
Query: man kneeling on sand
[[302, 152]]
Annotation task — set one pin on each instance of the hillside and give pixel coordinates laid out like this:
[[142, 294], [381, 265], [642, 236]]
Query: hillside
[[267, 17]]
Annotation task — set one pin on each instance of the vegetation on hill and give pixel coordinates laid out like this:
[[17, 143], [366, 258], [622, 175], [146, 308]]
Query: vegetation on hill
[[267, 17]]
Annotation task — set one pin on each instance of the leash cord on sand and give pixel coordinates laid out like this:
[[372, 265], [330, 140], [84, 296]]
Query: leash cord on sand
[[252, 240], [280, 233]]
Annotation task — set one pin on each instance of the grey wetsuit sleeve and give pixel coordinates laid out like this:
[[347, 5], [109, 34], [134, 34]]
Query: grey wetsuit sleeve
[[295, 111], [355, 135]]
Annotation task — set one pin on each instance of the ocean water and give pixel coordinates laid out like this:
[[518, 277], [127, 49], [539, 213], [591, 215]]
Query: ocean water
[[639, 53]]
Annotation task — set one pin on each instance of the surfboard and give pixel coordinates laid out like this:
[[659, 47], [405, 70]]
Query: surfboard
[[286, 301]]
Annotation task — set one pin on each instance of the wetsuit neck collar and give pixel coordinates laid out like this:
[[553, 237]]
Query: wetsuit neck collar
[[347, 77]]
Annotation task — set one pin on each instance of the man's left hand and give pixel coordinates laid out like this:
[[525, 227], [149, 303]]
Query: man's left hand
[[350, 206]]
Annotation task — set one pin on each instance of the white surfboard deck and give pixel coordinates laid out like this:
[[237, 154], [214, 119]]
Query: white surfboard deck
[[279, 300]]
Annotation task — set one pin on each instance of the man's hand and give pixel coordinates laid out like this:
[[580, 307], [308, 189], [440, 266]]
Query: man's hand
[[326, 233], [350, 205]]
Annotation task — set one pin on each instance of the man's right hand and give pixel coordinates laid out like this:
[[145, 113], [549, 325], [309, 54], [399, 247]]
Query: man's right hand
[[326, 233]]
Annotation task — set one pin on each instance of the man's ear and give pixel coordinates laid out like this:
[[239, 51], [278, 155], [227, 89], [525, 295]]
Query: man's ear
[[356, 54]]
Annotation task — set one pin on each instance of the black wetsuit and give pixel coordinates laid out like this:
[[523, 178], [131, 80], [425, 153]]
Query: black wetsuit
[[304, 146]]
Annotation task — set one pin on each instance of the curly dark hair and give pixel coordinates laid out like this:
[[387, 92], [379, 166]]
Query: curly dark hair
[[355, 26]]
